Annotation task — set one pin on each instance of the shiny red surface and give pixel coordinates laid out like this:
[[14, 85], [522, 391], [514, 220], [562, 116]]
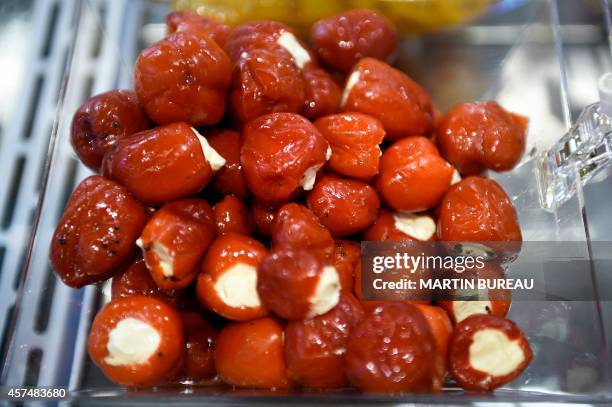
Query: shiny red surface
[[96, 233], [101, 121], [391, 96], [355, 142], [342, 40], [277, 149], [183, 78], [295, 227], [459, 352], [413, 176], [344, 206], [163, 318]]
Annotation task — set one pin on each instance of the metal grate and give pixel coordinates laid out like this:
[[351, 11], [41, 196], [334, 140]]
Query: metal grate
[[48, 308], [24, 146]]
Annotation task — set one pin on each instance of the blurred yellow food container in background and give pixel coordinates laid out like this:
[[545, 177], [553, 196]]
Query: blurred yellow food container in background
[[410, 16]]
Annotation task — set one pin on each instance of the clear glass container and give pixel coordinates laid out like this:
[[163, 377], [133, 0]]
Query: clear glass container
[[516, 53]]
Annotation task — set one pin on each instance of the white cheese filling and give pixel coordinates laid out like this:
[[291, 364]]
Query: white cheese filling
[[162, 255], [328, 153], [327, 292], [310, 176], [350, 82], [131, 342], [237, 286], [215, 160], [464, 309], [288, 41], [456, 177], [420, 227], [494, 353]]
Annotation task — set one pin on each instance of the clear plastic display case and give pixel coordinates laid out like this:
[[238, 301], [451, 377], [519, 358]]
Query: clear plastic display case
[[516, 53]]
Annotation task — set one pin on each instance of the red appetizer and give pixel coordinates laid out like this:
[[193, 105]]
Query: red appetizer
[[486, 352], [281, 155], [265, 82], [97, 232], [250, 354], [230, 275], [174, 242], [355, 140], [296, 227], [149, 163], [101, 121], [315, 348], [482, 135], [478, 210], [137, 341], [343, 206], [183, 78], [379, 90], [269, 36], [393, 350], [342, 40], [295, 284], [413, 176]]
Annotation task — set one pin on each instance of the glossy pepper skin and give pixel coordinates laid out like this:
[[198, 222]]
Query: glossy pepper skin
[[180, 232], [413, 176], [250, 354], [392, 350], [232, 215], [183, 78], [96, 233], [355, 142], [159, 165], [342, 40], [321, 93], [186, 20], [277, 150], [460, 366], [482, 135], [288, 280], [391, 96], [477, 209], [347, 254], [136, 280], [263, 215], [343, 206], [296, 227], [154, 312], [200, 336], [226, 252], [315, 348], [263, 35], [440, 325], [265, 82], [229, 179], [101, 121]]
